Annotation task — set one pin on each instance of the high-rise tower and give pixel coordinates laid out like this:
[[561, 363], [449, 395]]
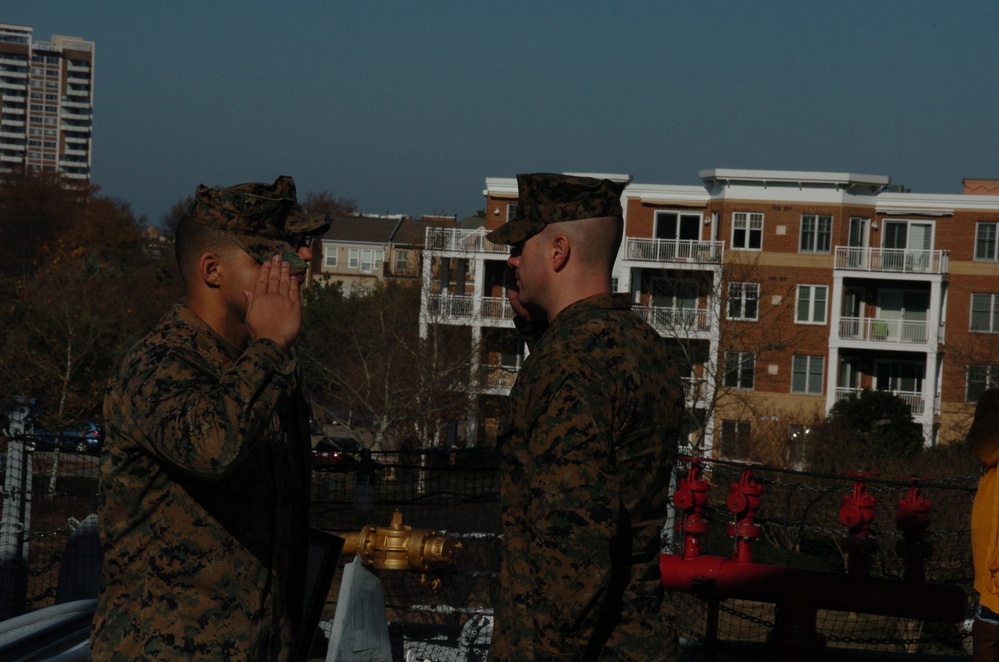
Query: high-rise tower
[[46, 102]]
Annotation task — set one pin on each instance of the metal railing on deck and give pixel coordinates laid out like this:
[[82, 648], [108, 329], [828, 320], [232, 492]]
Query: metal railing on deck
[[892, 260], [674, 250]]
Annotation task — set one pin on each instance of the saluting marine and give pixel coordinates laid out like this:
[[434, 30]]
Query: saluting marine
[[205, 472]]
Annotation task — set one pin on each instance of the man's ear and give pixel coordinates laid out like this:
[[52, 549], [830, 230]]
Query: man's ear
[[209, 269], [560, 248]]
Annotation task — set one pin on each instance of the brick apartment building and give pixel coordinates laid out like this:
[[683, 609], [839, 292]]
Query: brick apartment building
[[781, 293]]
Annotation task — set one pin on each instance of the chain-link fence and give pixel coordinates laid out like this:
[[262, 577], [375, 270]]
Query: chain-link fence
[[443, 615]]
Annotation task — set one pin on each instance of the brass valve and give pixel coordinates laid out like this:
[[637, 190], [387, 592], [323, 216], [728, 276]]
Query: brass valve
[[401, 547]]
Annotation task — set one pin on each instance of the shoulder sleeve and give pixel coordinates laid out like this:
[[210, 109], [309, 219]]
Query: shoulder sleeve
[[172, 402]]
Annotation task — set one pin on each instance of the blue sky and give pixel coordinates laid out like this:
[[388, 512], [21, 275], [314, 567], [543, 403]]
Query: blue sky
[[406, 107]]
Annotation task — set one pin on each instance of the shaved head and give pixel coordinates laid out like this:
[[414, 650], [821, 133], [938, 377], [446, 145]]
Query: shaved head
[[594, 241]]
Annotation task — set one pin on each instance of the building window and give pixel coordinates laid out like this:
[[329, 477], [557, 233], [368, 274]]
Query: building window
[[511, 211], [747, 230], [811, 305], [353, 258], [735, 436], [985, 313], [980, 378], [740, 370], [401, 261], [743, 301], [806, 374], [511, 353], [816, 233], [329, 257], [985, 241]]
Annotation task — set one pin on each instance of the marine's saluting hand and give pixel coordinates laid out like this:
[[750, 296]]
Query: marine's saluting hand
[[274, 309]]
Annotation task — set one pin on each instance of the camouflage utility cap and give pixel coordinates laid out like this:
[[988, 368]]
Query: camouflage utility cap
[[263, 219], [550, 198]]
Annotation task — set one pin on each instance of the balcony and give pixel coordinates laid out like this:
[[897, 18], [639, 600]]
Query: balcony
[[916, 401], [497, 377], [462, 241], [496, 308], [674, 250], [891, 260], [675, 321], [900, 332], [461, 307]]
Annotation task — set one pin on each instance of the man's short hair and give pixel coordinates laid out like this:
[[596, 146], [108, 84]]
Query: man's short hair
[[594, 241], [193, 240]]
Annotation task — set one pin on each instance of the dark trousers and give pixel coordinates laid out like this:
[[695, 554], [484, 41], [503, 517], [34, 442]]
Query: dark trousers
[[985, 636]]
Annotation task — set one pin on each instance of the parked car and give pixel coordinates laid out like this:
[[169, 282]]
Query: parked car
[[335, 454], [86, 437]]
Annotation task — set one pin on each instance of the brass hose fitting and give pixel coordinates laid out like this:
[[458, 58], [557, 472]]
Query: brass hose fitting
[[401, 547]]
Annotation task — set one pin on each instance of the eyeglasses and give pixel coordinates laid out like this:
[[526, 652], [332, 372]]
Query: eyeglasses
[[301, 240]]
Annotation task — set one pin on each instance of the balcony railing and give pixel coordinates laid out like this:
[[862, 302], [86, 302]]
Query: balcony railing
[[464, 241], [453, 306], [916, 401], [497, 376], [881, 330], [674, 250], [450, 306], [497, 308], [675, 320], [895, 260]]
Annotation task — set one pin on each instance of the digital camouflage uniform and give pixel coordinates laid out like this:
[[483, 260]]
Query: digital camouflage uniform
[[205, 473], [595, 417], [204, 501]]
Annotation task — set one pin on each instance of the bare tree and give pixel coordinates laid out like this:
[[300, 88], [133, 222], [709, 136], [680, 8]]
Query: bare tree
[[722, 323], [325, 202], [367, 364]]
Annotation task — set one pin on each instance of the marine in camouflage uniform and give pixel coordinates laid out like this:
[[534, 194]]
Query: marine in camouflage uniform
[[205, 474], [594, 420]]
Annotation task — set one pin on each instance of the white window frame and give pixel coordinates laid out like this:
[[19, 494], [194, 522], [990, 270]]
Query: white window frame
[[803, 364], [511, 211], [401, 260], [742, 365], [750, 223], [330, 257], [731, 431], [991, 243], [810, 317], [743, 294], [353, 258], [993, 313], [821, 239], [991, 374]]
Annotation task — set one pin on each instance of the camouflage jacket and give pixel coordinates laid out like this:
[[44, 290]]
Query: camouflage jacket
[[594, 420], [204, 499]]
